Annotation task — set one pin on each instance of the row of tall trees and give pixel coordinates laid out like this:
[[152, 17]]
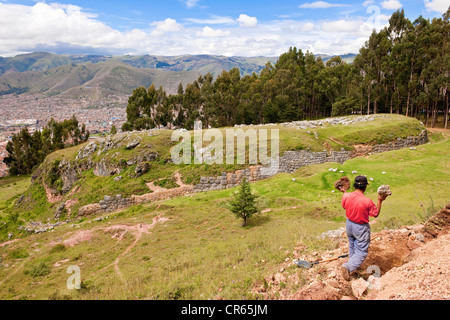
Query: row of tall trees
[[402, 69], [405, 68], [26, 150]]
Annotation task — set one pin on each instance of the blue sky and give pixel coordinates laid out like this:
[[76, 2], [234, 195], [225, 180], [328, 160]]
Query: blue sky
[[174, 27]]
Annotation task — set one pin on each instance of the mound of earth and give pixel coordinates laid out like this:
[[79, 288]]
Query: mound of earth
[[409, 263]]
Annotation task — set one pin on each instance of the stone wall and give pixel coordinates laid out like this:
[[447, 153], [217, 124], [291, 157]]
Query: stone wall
[[112, 204], [291, 161], [228, 180], [107, 204]]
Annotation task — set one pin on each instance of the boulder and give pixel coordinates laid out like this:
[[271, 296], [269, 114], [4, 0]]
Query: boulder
[[359, 287], [69, 176], [60, 210], [133, 144], [142, 168]]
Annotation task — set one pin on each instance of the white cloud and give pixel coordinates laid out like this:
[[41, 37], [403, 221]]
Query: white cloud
[[214, 19], [391, 4], [321, 5], [168, 25], [24, 27], [308, 26], [247, 21], [60, 28], [368, 3], [191, 3], [341, 26], [440, 6], [210, 32]]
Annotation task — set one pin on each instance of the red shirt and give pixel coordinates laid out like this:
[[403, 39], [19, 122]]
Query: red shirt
[[358, 207]]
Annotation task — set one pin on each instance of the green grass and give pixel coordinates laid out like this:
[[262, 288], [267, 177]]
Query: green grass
[[203, 252], [11, 189]]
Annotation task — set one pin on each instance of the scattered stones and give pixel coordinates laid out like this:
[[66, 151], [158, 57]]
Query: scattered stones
[[304, 125], [118, 178], [39, 227]]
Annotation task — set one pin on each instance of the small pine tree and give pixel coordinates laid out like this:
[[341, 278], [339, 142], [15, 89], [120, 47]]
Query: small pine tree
[[113, 129], [243, 204]]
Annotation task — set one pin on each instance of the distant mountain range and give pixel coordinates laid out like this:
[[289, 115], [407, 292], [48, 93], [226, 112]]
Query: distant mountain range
[[100, 76]]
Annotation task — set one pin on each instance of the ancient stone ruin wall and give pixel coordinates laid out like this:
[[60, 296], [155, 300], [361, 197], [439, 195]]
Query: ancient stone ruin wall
[[401, 143], [228, 180], [291, 161], [108, 204]]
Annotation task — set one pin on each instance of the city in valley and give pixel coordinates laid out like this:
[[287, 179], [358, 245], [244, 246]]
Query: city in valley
[[34, 111]]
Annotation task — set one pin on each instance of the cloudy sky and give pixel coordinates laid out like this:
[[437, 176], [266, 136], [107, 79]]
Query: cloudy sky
[[175, 27]]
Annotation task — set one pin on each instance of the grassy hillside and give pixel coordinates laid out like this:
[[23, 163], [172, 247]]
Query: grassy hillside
[[91, 188], [201, 251]]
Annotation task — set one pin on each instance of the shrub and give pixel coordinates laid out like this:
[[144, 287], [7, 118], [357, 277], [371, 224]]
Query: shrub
[[58, 248], [18, 254], [39, 270]]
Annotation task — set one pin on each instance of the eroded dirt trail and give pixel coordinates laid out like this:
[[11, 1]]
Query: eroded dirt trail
[[117, 232], [137, 232]]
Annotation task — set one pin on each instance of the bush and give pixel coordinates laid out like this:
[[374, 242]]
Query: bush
[[58, 248], [18, 254], [39, 270]]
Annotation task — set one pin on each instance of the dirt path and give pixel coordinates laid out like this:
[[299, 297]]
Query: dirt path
[[52, 197], [156, 189], [445, 132], [137, 232], [118, 232]]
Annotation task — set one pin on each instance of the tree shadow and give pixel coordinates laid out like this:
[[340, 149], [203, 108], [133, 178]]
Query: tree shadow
[[258, 220]]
